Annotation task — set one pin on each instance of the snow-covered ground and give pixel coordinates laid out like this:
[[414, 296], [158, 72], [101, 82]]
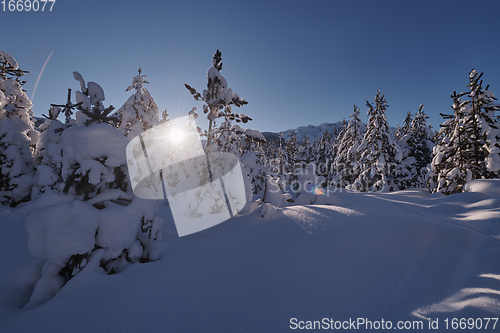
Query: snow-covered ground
[[400, 256]]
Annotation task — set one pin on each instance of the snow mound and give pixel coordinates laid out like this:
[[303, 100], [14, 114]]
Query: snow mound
[[489, 187], [57, 231]]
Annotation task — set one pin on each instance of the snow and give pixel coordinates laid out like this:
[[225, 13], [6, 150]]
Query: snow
[[489, 187], [17, 137], [10, 59], [224, 93], [255, 135], [140, 111], [403, 255], [77, 76], [45, 175], [85, 100], [85, 143], [493, 162], [315, 131], [273, 193], [237, 129], [96, 93], [118, 226], [60, 229]]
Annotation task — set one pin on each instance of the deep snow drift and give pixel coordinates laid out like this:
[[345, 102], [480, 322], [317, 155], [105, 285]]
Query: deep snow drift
[[400, 256]]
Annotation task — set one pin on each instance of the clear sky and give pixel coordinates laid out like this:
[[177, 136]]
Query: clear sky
[[296, 62]]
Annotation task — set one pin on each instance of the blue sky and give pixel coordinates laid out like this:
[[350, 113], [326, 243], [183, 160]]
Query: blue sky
[[296, 62]]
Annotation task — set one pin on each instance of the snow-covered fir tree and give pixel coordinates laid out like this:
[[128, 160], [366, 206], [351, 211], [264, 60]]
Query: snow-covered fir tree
[[449, 171], [346, 167], [277, 161], [323, 154], [338, 135], [94, 177], [291, 156], [140, 111], [379, 152], [90, 104], [164, 116], [90, 214], [468, 146], [402, 131], [49, 155], [271, 149], [229, 138], [218, 99], [416, 147], [255, 162], [305, 150], [17, 135], [484, 129]]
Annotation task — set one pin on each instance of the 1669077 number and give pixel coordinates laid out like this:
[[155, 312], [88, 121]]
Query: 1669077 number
[[471, 323], [27, 5]]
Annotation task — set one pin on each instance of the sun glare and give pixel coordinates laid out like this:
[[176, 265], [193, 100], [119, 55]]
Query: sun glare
[[175, 134]]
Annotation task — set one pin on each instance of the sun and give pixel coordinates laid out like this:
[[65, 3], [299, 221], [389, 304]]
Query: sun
[[176, 134]]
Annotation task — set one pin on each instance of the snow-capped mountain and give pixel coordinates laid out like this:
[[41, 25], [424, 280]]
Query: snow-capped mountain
[[314, 131]]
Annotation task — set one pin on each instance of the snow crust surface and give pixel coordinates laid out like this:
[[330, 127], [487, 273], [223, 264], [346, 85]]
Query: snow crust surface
[[404, 255]]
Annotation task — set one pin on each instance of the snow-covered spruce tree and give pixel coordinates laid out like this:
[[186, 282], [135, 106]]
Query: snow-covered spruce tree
[[277, 161], [48, 154], [379, 153], [339, 134], [484, 129], [89, 103], [164, 116], [229, 138], [291, 152], [271, 149], [291, 158], [402, 131], [305, 151], [449, 170], [17, 135], [140, 111], [92, 218], [264, 186], [468, 146], [218, 99], [255, 162], [416, 147], [346, 167], [323, 154]]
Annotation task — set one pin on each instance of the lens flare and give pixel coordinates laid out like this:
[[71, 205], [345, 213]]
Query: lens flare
[[316, 190]]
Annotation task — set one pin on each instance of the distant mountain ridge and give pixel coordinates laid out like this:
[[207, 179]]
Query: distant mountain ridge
[[314, 131]]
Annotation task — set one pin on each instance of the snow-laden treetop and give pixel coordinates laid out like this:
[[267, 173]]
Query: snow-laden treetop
[[7, 58]]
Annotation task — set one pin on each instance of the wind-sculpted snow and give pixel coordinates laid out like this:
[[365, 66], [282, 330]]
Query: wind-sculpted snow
[[403, 255]]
